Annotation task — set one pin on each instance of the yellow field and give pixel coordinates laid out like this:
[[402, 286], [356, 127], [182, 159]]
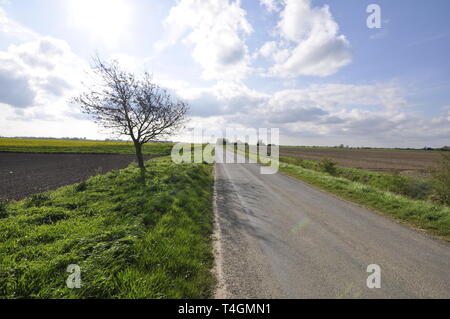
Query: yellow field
[[69, 146], [44, 142]]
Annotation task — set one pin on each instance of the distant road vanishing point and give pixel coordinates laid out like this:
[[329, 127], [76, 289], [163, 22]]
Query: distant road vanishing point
[[281, 238]]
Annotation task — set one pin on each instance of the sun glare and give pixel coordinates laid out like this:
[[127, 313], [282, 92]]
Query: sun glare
[[104, 20]]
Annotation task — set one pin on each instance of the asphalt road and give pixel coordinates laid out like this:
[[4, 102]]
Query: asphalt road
[[281, 238]]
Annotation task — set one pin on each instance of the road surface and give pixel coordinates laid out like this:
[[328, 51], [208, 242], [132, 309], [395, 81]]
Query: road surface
[[281, 238]]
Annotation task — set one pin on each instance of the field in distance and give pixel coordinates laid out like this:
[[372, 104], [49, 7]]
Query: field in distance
[[408, 162], [79, 146]]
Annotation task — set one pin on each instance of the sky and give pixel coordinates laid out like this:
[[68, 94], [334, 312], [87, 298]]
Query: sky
[[312, 68]]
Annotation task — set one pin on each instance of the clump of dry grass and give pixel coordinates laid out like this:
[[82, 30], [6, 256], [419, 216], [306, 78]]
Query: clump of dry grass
[[441, 180]]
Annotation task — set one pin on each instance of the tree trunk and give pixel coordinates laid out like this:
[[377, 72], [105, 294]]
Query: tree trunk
[[140, 160]]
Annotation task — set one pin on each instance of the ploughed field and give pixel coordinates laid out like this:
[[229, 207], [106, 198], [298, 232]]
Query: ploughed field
[[23, 174], [412, 163]]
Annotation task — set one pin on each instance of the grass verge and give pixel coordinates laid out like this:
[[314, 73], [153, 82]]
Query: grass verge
[[412, 187], [131, 241]]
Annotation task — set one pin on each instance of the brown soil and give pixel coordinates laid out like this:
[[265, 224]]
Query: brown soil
[[23, 174], [414, 163]]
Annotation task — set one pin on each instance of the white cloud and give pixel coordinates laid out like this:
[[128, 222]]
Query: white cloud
[[132, 63], [224, 98], [9, 29], [271, 5], [310, 42], [40, 70], [320, 114], [216, 31], [327, 101], [334, 96], [268, 49], [15, 87], [35, 69], [37, 75]]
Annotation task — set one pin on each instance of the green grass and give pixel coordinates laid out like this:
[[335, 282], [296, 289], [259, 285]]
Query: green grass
[[373, 191], [87, 147], [412, 187], [130, 240]]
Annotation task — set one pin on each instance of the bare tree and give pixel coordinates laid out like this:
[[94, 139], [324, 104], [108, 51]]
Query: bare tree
[[127, 105]]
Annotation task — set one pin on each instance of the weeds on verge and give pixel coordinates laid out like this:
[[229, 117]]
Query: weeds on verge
[[327, 165], [3, 206], [37, 200], [81, 187], [441, 180]]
